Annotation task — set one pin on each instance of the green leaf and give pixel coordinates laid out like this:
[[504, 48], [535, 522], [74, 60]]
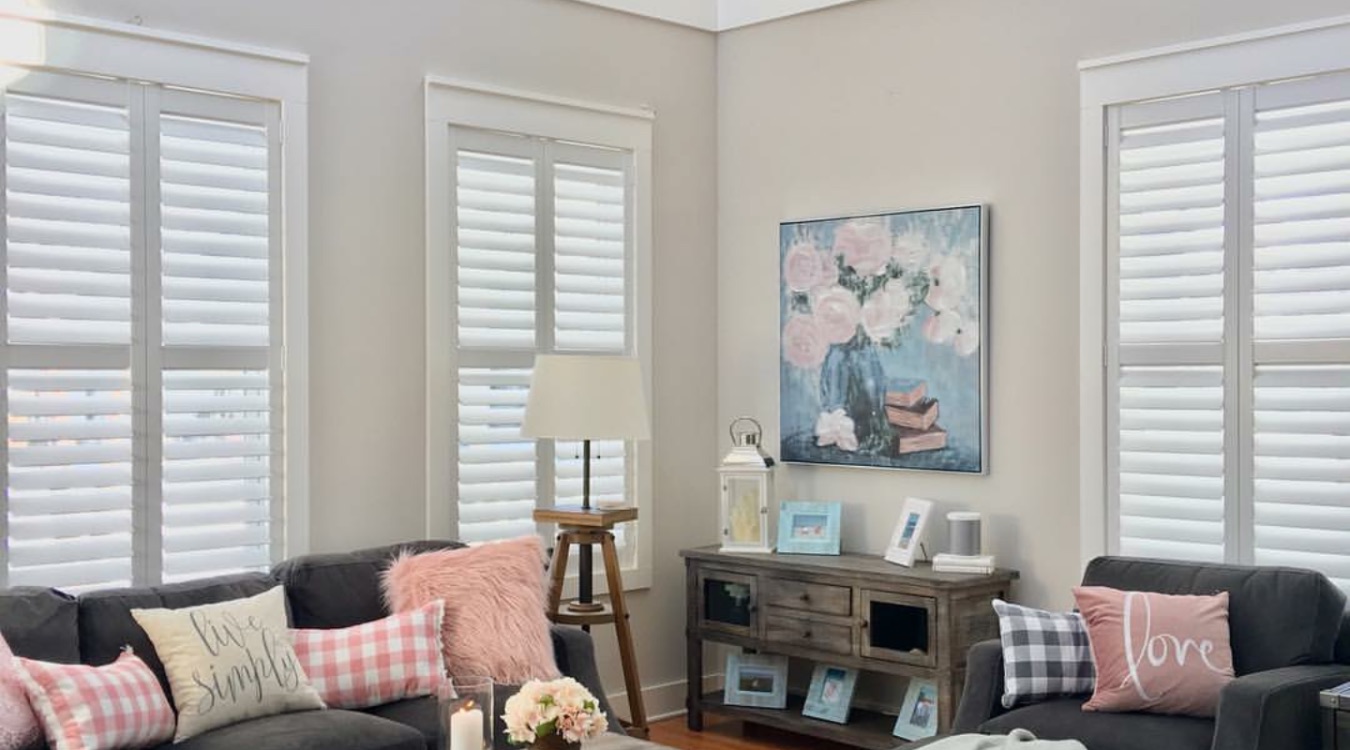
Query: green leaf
[[545, 729]]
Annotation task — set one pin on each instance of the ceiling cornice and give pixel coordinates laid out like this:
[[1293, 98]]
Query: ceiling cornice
[[716, 15]]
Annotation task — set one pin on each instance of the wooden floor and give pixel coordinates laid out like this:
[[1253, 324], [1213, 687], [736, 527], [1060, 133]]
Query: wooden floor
[[720, 733]]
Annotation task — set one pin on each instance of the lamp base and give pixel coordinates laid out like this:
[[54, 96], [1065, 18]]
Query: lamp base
[[585, 608]]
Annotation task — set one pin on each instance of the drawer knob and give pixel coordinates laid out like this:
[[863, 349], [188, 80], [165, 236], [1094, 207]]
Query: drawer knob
[[806, 634], [806, 597]]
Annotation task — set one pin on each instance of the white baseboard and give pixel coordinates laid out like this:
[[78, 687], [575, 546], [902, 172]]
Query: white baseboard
[[664, 700]]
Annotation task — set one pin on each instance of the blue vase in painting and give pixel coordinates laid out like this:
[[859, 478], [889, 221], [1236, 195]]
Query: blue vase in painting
[[853, 379]]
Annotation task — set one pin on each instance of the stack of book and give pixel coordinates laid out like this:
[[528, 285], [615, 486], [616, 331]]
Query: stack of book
[[914, 416], [947, 563]]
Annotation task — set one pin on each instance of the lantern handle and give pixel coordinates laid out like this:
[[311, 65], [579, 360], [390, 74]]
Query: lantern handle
[[731, 429]]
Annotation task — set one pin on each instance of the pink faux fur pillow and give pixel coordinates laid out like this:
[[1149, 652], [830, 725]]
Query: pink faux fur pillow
[[495, 623]]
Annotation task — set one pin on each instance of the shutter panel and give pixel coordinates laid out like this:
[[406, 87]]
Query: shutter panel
[[497, 467], [1171, 463], [495, 251], [70, 482], [589, 256]]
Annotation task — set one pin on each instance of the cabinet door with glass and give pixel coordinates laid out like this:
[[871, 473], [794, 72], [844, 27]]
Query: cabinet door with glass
[[728, 602], [899, 627]]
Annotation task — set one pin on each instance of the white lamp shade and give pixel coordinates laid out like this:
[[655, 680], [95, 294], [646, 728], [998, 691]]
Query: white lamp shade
[[585, 397]]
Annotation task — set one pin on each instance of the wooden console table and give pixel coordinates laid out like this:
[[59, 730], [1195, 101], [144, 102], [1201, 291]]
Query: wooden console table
[[849, 610]]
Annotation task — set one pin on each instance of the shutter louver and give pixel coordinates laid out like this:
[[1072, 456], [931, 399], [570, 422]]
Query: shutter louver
[[1302, 222], [70, 478], [1302, 468], [1171, 464], [217, 472], [68, 214], [495, 250], [589, 258], [497, 476]]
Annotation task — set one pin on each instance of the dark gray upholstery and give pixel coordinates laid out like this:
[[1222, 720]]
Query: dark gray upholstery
[[106, 624], [308, 730], [41, 624], [1290, 637], [418, 713], [342, 590]]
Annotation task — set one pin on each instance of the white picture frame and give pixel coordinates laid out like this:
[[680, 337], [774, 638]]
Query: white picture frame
[[756, 680], [918, 717], [909, 531], [831, 695]]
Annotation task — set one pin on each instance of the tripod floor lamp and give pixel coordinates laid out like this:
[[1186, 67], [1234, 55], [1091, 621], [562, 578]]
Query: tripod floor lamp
[[590, 397]]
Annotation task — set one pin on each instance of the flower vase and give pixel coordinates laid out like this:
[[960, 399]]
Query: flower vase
[[554, 741], [853, 379]]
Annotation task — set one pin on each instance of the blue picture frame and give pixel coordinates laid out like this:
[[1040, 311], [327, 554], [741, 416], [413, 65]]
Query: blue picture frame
[[808, 528]]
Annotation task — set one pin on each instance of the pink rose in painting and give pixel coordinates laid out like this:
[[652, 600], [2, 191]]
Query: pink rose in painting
[[804, 344], [865, 245], [838, 314], [947, 284], [942, 327], [884, 312], [911, 250], [967, 340], [836, 428], [802, 267], [829, 271]]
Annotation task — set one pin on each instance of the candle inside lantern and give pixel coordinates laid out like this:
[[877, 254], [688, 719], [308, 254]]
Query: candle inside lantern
[[466, 728]]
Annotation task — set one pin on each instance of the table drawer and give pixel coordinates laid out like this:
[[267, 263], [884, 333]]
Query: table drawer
[[808, 597], [801, 631]]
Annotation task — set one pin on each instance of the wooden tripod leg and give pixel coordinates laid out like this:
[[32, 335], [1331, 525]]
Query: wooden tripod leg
[[614, 582], [557, 571]]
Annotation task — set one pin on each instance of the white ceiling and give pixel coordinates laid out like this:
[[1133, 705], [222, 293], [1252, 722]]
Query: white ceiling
[[716, 15]]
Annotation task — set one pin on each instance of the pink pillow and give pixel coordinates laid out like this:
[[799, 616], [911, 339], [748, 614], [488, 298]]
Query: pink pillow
[[120, 705], [19, 728], [376, 662], [1157, 652], [495, 624]]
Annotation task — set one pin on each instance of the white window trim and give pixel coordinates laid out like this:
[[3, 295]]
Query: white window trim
[[1291, 51], [45, 40], [449, 103]]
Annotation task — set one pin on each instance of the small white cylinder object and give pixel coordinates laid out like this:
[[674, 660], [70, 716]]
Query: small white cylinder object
[[963, 529]]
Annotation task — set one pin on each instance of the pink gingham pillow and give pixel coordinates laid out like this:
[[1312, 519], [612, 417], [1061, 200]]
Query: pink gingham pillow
[[120, 705], [19, 728], [377, 662]]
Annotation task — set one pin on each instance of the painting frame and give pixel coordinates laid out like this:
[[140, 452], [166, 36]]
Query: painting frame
[[908, 532], [830, 697], [747, 671], [935, 365], [918, 717], [809, 528]]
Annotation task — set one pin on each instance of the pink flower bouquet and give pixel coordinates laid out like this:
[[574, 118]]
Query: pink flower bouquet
[[560, 707]]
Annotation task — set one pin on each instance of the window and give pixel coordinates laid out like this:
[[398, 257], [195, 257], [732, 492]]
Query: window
[[142, 331], [535, 247], [1227, 325]]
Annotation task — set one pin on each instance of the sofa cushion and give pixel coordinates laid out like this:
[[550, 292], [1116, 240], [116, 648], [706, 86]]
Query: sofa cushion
[[41, 624], [342, 590], [417, 713], [1279, 617], [106, 624], [309, 730], [1065, 719]]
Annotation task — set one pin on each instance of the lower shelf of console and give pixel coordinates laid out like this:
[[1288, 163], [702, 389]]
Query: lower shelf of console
[[865, 729]]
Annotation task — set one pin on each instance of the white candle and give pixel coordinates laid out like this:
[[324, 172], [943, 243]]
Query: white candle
[[466, 728]]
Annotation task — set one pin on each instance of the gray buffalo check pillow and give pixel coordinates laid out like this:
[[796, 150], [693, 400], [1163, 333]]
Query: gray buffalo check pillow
[[1045, 654]]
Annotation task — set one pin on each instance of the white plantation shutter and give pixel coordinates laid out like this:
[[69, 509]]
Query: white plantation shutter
[[142, 297], [1231, 354], [541, 248]]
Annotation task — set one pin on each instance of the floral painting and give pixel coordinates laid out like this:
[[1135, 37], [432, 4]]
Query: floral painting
[[882, 350]]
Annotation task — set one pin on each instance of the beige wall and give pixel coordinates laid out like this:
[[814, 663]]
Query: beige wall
[[889, 104], [366, 218]]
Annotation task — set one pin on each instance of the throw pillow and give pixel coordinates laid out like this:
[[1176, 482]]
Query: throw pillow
[[116, 706], [229, 661], [19, 728], [1157, 652], [1045, 654], [495, 623], [377, 662]]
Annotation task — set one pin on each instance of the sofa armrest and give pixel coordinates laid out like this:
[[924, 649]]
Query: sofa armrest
[[574, 651], [1276, 709], [981, 700]]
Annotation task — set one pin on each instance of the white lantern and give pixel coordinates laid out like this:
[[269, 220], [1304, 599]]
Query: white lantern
[[747, 490]]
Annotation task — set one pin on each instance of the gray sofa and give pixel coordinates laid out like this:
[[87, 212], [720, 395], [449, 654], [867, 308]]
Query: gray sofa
[[323, 591], [1290, 639]]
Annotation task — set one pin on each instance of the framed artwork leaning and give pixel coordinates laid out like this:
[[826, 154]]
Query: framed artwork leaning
[[806, 528], [831, 694], [883, 343], [758, 680]]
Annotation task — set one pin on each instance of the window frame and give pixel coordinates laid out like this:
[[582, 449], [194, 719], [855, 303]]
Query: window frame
[[83, 46], [1286, 52], [451, 103]]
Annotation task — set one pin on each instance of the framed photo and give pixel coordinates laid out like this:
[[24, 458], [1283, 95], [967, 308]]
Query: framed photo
[[808, 528], [909, 531], [758, 680], [883, 356], [831, 693], [919, 713]]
